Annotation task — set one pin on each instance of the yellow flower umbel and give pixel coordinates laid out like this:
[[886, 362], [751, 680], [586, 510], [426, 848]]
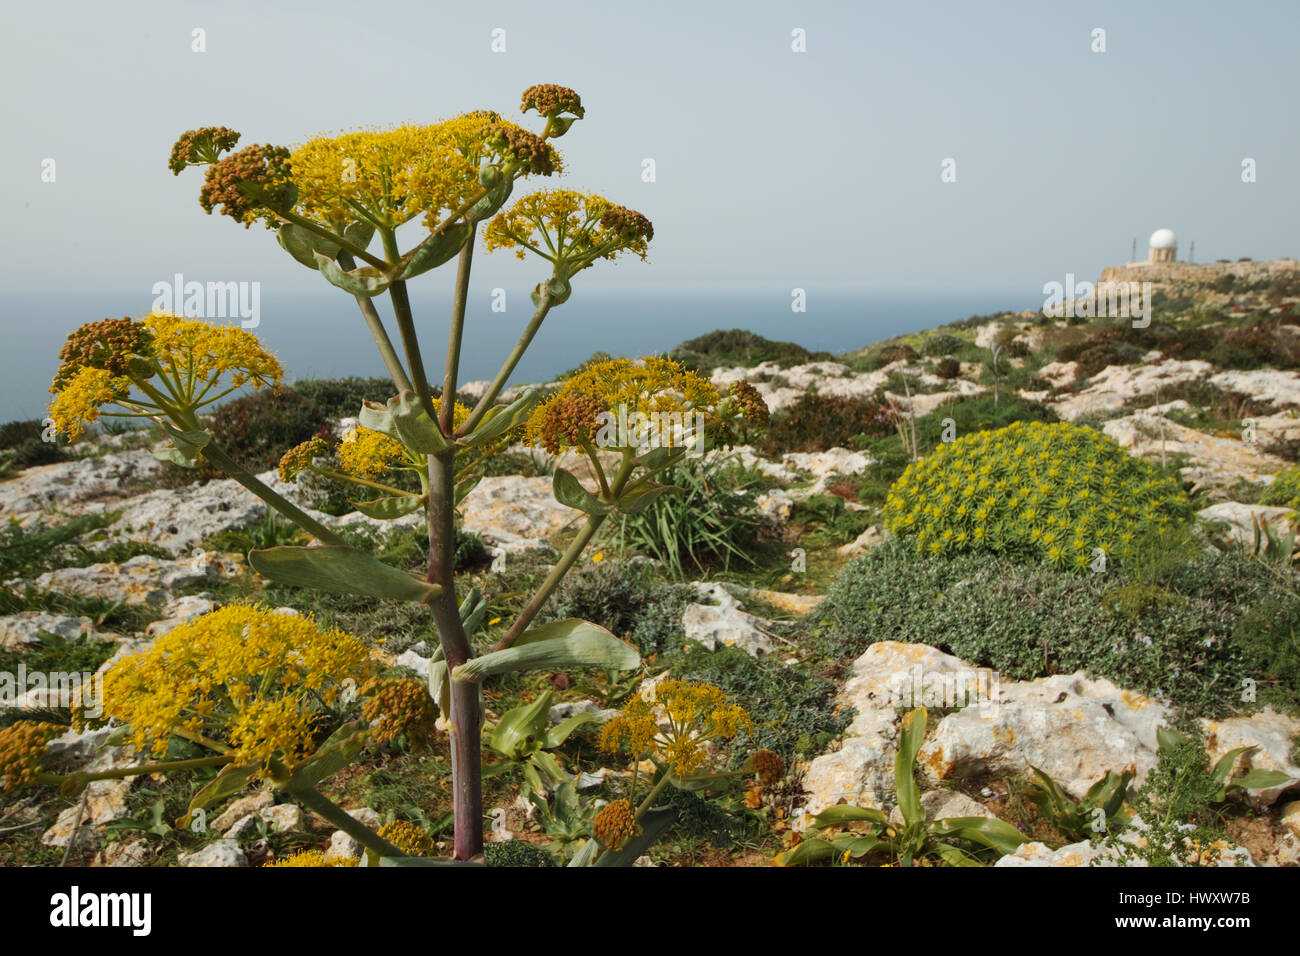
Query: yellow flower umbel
[[570, 229], [697, 714], [163, 367], [387, 177], [22, 751], [366, 453], [399, 707], [408, 838], [313, 858], [242, 680], [572, 418], [615, 824]]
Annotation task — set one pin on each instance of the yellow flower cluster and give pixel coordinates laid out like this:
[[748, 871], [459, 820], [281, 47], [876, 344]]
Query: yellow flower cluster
[[397, 707], [80, 400], [366, 453], [768, 766], [569, 228], [1285, 489], [390, 176], [615, 824], [192, 349], [697, 714], [22, 748], [242, 676], [313, 858], [1057, 490], [408, 838], [186, 358], [300, 457], [652, 387]]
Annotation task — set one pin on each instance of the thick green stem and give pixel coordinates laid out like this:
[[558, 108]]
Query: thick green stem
[[503, 376], [213, 453], [466, 716], [320, 804], [454, 337], [378, 332], [167, 766], [411, 345]]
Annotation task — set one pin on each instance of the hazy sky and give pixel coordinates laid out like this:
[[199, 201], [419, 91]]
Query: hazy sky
[[773, 167]]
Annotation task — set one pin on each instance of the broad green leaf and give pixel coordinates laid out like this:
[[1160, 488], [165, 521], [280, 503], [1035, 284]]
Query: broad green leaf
[[1167, 737], [517, 727], [640, 499], [188, 443], [435, 250], [339, 751], [341, 570], [995, 834], [440, 687], [413, 861], [568, 643], [359, 234], [586, 854], [559, 289], [390, 507], [909, 744], [175, 457], [303, 245], [569, 492], [654, 824], [489, 204], [377, 418], [1259, 779], [415, 429], [807, 851], [857, 846], [561, 731], [230, 781], [365, 280], [1223, 769], [463, 488], [844, 813], [548, 767], [955, 857], [501, 418]]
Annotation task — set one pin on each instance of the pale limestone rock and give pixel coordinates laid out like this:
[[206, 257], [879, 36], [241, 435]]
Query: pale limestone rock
[[20, 631], [1111, 388], [863, 542], [1280, 389], [799, 604], [568, 708], [724, 623], [1217, 462], [141, 580], [415, 662], [1241, 519], [68, 483], [1291, 817], [514, 512], [1268, 730], [222, 853], [243, 807], [133, 853], [1072, 728], [1059, 373], [775, 506], [178, 612]]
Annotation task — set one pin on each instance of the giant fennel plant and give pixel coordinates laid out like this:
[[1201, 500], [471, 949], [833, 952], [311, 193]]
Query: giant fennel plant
[[335, 204]]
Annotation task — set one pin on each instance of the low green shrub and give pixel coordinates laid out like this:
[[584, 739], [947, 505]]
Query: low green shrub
[[21, 446], [942, 343], [947, 368], [258, 429], [1285, 489], [629, 598], [342, 397], [817, 422], [793, 712], [1058, 491], [1192, 627], [516, 853], [739, 347]]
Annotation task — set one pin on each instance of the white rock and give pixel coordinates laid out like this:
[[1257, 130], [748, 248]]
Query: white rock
[[243, 807], [1273, 386], [724, 623], [415, 662], [178, 612], [1241, 519], [141, 580], [219, 853], [863, 542], [71, 482], [515, 512], [1272, 733], [1114, 386], [20, 631], [133, 853], [282, 818], [1216, 462]]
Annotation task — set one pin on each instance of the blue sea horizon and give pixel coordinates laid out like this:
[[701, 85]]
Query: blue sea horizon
[[318, 333]]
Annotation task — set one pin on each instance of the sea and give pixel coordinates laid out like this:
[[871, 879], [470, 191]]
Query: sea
[[319, 333]]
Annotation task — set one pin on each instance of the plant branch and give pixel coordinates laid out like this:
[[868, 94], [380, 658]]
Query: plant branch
[[508, 367], [377, 331], [455, 336]]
